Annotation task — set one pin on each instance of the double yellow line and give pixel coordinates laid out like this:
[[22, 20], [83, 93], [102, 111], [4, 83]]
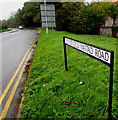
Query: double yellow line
[[7, 105]]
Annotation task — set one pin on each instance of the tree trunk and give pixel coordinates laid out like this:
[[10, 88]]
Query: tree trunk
[[114, 22], [114, 32]]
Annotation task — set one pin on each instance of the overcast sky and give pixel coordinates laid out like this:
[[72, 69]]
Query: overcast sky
[[9, 7]]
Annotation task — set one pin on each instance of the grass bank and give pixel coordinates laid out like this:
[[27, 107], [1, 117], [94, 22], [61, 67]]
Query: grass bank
[[51, 92], [4, 30]]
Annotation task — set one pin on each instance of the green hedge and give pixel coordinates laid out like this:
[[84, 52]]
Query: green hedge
[[3, 27], [115, 28]]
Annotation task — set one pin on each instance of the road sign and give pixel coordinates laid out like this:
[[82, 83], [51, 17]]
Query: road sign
[[100, 54], [48, 7], [49, 19], [103, 55], [48, 15], [48, 24]]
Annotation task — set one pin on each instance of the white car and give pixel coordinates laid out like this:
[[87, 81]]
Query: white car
[[20, 27]]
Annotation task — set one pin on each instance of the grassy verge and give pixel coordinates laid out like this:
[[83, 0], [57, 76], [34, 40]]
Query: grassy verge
[[33, 27], [4, 30], [51, 92]]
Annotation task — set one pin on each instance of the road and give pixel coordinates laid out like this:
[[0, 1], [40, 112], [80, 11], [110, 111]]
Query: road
[[14, 47]]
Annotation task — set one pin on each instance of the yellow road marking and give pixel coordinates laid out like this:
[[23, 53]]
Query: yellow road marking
[[13, 77], [8, 103], [21, 103]]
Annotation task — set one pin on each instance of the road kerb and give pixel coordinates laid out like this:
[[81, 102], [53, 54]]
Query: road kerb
[[8, 103], [21, 103]]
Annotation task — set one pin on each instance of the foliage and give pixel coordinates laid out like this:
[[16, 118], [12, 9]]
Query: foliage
[[115, 28], [66, 13], [28, 16], [76, 25], [31, 14], [3, 24], [112, 10], [84, 19], [12, 22], [87, 19], [4, 30], [51, 92], [75, 17], [92, 17]]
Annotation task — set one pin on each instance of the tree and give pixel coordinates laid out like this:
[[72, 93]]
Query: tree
[[3, 24], [11, 22], [113, 11], [28, 16], [89, 20], [66, 12], [31, 14]]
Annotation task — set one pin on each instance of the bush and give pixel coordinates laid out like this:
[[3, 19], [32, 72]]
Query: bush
[[92, 17], [74, 26], [84, 25], [115, 28], [3, 27], [66, 14], [0, 27], [87, 20]]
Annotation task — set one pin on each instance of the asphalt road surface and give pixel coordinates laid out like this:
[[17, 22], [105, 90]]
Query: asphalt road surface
[[14, 46]]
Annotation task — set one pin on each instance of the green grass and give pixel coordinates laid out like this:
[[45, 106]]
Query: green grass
[[4, 30], [52, 92]]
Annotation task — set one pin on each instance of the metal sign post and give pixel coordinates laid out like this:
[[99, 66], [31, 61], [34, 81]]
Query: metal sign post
[[65, 56], [48, 16], [111, 86], [102, 55]]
